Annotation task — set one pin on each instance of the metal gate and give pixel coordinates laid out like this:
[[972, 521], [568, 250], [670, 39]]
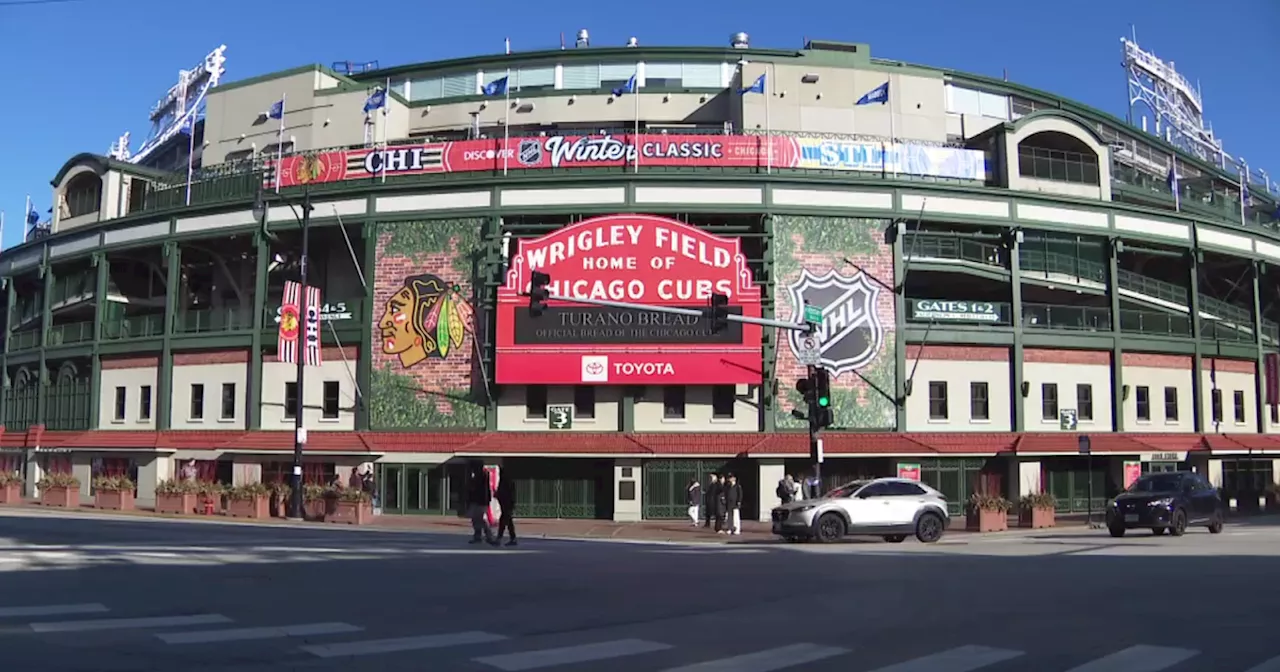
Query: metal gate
[[665, 483], [561, 488]]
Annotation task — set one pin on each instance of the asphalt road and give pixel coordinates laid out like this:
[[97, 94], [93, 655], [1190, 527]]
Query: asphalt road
[[106, 595]]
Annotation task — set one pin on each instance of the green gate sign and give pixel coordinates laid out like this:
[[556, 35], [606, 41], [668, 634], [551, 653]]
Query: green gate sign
[[955, 311]]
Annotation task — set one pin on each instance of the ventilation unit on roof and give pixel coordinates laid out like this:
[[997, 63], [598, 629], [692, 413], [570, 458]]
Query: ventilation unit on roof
[[633, 42], [740, 41], [584, 39]]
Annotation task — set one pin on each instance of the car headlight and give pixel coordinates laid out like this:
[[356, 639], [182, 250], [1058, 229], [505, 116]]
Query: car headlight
[[1161, 502], [1111, 504], [806, 507]]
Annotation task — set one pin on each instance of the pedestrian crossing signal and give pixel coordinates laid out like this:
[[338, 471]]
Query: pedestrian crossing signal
[[538, 292], [719, 312]]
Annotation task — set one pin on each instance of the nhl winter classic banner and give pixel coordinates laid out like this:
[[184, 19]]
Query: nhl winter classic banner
[[287, 337]]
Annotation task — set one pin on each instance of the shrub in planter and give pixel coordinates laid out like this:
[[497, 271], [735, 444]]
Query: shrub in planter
[[352, 506], [987, 513], [59, 490], [177, 496], [248, 501], [278, 502], [1036, 510], [113, 493], [317, 501], [209, 497], [10, 488]]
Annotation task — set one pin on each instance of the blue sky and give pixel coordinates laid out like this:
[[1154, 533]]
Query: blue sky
[[79, 74]]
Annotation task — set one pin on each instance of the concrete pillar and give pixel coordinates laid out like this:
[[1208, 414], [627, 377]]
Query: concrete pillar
[[1275, 471], [82, 468], [1029, 481], [627, 486], [1215, 471], [150, 473], [771, 471], [34, 474]]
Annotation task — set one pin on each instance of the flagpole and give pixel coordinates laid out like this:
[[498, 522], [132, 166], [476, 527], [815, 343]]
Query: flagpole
[[280, 142], [26, 217], [1177, 188], [635, 132], [191, 158], [1244, 189], [386, 110], [1, 229], [506, 118], [768, 128], [893, 135]]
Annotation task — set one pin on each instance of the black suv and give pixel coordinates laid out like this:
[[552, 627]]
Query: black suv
[[1166, 501]]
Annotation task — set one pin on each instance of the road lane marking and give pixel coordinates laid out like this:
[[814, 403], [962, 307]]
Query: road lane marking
[[960, 659], [585, 653], [375, 646], [1140, 658], [53, 610], [243, 634], [126, 623], [1272, 665], [767, 661]]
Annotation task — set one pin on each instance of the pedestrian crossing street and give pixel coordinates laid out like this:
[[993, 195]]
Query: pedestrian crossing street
[[341, 643]]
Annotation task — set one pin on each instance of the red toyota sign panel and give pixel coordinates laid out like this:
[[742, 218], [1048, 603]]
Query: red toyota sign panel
[[640, 259]]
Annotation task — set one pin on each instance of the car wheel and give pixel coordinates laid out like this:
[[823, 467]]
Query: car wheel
[[1179, 526], [830, 528], [1116, 531], [1215, 526], [929, 528], [1157, 531], [895, 538]]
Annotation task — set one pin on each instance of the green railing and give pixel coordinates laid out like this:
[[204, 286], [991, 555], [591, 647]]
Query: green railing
[[1075, 318], [1038, 261], [68, 334], [1155, 288], [24, 340], [20, 406], [920, 246], [67, 405], [1216, 203], [1057, 165], [213, 320], [138, 326], [1153, 322], [76, 286]]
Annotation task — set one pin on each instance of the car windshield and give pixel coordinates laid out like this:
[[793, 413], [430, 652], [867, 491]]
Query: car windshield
[[847, 489], [1157, 483]]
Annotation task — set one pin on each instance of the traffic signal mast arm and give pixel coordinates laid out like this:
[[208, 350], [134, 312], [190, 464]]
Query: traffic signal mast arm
[[692, 312]]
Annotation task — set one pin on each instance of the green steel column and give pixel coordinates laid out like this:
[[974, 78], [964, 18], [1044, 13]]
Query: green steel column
[[364, 360], [1117, 354], [491, 278], [46, 325], [769, 339], [900, 326], [172, 290], [253, 395], [1260, 377], [11, 301], [101, 285], [1019, 402], [1197, 367]]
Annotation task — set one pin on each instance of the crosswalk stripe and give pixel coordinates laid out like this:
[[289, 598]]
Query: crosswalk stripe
[[532, 660], [767, 661], [243, 634], [1140, 658], [960, 659], [375, 646], [53, 610], [1272, 665], [127, 623]]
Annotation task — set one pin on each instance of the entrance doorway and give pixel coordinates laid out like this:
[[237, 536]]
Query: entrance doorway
[[420, 488]]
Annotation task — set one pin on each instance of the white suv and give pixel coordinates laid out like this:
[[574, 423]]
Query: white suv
[[890, 507]]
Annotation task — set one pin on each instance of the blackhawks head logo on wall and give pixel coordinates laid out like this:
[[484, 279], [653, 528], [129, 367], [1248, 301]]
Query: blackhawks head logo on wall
[[427, 317]]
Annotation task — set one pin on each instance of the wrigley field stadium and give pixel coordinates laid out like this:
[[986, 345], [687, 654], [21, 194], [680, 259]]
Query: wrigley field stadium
[[1018, 292]]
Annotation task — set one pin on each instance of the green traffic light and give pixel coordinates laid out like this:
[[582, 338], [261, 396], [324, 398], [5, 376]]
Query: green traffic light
[[824, 401]]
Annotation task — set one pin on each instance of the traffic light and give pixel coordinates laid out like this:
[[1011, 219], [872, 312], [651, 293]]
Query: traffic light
[[823, 417], [822, 387], [538, 292], [807, 390], [719, 313]]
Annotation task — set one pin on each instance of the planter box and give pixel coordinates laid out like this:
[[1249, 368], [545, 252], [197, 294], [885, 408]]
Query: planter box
[[67, 498], [11, 494], [183, 505], [317, 509], [114, 500], [1036, 518], [986, 521], [254, 507], [351, 513]]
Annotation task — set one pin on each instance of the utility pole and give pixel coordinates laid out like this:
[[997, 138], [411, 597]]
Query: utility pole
[[299, 429]]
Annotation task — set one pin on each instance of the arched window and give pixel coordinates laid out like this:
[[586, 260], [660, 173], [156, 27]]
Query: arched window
[[1052, 155], [83, 194]]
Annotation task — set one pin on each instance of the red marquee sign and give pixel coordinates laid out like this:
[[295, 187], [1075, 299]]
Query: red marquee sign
[[634, 259], [543, 152]]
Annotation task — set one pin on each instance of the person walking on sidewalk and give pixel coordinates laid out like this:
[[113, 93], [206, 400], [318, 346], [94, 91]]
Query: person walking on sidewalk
[[693, 497], [787, 490], [712, 494], [478, 498], [506, 496], [721, 505], [733, 505]]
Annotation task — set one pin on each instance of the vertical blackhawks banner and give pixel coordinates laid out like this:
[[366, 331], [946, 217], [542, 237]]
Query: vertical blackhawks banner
[[292, 308]]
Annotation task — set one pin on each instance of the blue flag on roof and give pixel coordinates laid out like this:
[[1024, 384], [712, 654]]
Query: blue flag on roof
[[757, 87], [33, 217], [629, 87], [277, 110], [377, 100], [497, 87], [880, 94]]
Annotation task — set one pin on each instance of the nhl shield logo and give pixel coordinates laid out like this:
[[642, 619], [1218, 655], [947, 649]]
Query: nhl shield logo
[[851, 333], [530, 152]]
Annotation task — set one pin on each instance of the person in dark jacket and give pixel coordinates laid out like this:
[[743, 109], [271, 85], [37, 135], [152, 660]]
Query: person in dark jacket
[[506, 496], [733, 505], [711, 494], [721, 508], [478, 498], [693, 499]]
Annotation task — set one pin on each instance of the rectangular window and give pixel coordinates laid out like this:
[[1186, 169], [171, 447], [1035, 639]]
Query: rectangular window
[[331, 390], [290, 401], [1216, 402], [937, 400], [535, 401], [584, 401], [979, 401], [197, 401], [723, 399], [535, 79], [673, 402], [228, 401], [581, 76], [1238, 398], [1171, 404], [1142, 401], [1084, 401], [144, 403], [120, 402], [1049, 401]]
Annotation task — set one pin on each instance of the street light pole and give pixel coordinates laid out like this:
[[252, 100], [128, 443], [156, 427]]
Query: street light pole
[[300, 430]]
